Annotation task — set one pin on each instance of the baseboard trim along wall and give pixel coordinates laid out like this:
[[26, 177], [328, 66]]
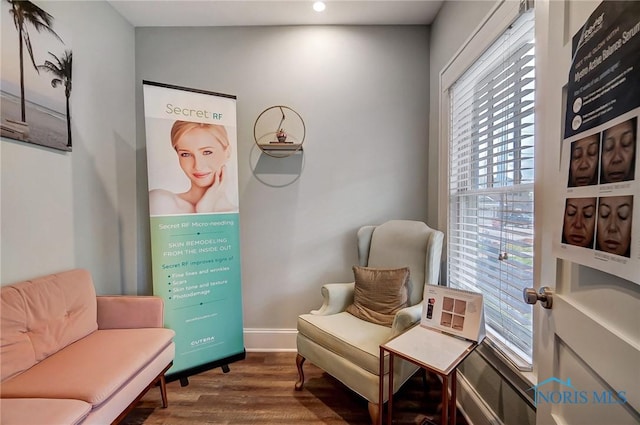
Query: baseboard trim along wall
[[266, 340]]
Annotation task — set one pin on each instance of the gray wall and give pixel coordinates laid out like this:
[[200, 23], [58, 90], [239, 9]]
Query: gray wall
[[455, 23], [63, 210], [364, 95]]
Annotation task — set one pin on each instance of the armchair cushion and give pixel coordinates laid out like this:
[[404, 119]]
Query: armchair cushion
[[355, 340], [379, 294]]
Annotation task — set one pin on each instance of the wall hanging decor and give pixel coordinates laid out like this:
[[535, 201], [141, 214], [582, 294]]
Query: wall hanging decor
[[279, 131], [35, 89]]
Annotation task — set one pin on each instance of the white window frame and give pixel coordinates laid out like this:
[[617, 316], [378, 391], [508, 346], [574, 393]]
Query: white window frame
[[503, 14]]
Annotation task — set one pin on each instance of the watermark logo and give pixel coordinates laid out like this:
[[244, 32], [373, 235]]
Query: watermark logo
[[563, 392]]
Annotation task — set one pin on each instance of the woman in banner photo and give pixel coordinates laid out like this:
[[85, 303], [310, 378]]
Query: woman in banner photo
[[579, 222], [619, 152], [583, 166], [614, 225], [203, 151]]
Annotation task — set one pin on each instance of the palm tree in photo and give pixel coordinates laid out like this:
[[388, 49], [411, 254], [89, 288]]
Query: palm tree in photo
[[25, 13], [61, 68]]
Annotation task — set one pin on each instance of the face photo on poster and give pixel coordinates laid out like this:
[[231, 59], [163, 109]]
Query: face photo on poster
[[35, 74], [619, 145], [579, 222], [615, 225], [192, 167], [584, 161]]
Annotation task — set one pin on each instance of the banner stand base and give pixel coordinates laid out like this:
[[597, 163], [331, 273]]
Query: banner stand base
[[223, 363]]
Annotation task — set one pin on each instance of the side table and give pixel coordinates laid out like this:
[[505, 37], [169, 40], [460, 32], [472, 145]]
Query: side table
[[432, 350]]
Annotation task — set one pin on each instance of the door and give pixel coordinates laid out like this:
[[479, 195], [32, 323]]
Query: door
[[587, 346]]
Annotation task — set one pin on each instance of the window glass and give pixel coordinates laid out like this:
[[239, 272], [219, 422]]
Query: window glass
[[491, 164]]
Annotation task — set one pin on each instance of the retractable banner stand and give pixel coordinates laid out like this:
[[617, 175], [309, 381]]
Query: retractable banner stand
[[193, 207]]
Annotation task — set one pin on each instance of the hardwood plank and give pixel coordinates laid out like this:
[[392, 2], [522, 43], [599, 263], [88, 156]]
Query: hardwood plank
[[259, 390]]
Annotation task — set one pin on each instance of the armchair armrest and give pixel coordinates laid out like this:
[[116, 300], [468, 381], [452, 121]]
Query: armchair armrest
[[130, 312], [337, 297], [406, 318]]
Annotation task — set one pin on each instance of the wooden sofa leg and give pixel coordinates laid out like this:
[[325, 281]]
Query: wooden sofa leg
[[299, 362], [163, 391], [374, 413]]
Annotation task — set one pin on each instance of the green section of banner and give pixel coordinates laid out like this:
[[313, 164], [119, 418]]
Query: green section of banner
[[196, 270]]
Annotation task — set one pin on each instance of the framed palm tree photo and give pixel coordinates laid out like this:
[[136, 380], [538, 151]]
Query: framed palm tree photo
[[35, 83]]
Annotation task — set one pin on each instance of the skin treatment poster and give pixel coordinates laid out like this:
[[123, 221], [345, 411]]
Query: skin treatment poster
[[599, 166], [193, 206]]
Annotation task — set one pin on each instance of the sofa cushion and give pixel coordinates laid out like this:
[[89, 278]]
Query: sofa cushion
[[27, 411], [16, 350], [93, 368], [41, 316], [344, 334], [379, 294]]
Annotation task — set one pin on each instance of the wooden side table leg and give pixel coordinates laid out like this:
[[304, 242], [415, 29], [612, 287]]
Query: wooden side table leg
[[381, 387], [452, 409], [445, 400], [390, 402]]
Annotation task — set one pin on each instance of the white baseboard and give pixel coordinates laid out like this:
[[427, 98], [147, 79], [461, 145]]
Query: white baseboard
[[269, 340], [473, 408]]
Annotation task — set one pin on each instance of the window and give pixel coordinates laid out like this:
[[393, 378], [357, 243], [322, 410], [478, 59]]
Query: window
[[490, 187]]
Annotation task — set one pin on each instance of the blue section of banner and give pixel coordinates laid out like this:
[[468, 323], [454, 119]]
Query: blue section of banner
[[196, 269]]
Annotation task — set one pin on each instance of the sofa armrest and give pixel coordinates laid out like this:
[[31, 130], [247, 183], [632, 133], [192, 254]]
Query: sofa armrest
[[337, 297], [130, 312], [405, 319]]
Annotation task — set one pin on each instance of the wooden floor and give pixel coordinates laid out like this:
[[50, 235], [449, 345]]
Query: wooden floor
[[259, 390]]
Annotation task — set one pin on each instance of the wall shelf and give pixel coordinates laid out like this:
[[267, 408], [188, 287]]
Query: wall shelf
[[279, 131], [287, 147]]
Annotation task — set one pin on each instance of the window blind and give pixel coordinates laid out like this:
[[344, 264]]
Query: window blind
[[491, 162]]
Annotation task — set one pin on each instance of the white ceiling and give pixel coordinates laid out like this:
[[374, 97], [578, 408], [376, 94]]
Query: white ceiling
[[146, 13]]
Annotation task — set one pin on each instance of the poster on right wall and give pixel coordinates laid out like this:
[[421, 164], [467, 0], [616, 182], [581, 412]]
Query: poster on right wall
[[600, 224]]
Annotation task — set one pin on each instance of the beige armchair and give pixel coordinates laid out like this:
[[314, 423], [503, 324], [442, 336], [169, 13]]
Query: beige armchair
[[347, 347]]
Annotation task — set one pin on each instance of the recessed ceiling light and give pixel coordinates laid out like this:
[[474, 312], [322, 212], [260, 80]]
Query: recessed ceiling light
[[319, 6]]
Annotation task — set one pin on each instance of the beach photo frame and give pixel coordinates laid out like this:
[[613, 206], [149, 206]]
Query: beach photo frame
[[35, 84]]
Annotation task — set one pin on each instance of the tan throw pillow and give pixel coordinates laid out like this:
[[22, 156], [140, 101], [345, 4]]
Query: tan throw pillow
[[379, 294]]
